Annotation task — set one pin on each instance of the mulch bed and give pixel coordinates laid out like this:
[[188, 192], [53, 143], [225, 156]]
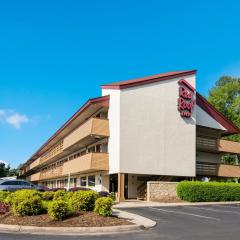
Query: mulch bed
[[81, 219]]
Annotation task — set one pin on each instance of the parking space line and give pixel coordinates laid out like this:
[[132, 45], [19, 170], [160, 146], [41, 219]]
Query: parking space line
[[213, 210], [228, 206], [185, 213]]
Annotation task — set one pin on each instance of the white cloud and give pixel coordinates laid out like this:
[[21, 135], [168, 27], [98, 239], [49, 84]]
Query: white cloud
[[13, 118]]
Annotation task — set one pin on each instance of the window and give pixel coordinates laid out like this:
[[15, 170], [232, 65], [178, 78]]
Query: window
[[91, 181], [10, 183], [65, 182], [23, 183], [98, 148], [91, 149], [83, 181]]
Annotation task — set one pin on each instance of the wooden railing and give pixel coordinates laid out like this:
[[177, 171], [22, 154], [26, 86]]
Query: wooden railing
[[225, 170], [94, 126], [87, 163], [58, 148], [51, 173], [229, 146], [34, 177]]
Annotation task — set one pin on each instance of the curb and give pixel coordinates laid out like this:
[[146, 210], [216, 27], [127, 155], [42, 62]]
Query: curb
[[139, 222], [159, 204], [68, 230]]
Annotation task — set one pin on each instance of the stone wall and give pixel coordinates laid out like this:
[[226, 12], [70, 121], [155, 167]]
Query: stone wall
[[161, 191]]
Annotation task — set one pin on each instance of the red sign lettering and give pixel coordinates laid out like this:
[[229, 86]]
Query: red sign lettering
[[186, 100]]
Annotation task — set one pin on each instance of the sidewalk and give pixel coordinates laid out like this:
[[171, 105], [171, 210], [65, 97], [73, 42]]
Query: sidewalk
[[138, 203]]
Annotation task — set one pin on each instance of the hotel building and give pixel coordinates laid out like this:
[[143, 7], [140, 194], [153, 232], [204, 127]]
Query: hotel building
[[153, 128]]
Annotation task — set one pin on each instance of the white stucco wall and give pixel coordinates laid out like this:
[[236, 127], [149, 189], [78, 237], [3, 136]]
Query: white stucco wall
[[147, 133], [114, 128]]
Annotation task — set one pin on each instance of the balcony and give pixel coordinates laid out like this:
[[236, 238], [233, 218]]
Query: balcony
[[51, 173], [229, 146], [54, 151], [225, 170], [87, 133], [34, 177], [90, 162], [33, 164], [92, 127]]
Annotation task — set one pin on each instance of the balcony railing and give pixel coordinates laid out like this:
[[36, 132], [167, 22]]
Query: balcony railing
[[51, 173], [87, 163], [92, 127], [34, 177], [58, 148], [229, 146], [33, 164], [225, 170]]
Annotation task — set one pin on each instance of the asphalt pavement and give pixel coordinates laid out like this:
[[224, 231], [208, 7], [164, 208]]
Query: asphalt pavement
[[213, 222]]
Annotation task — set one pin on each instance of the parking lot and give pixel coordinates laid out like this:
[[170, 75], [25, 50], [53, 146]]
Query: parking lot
[[194, 222], [214, 222]]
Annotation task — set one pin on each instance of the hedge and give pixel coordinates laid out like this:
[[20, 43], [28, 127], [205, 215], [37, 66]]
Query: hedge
[[208, 191]]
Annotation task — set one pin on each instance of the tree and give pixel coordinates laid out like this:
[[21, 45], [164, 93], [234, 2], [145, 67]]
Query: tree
[[2, 169], [225, 96], [7, 171]]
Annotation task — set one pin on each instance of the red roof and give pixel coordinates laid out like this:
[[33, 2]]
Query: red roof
[[147, 80], [218, 116]]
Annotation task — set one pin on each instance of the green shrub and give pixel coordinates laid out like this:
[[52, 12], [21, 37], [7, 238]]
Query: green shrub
[[26, 202], [83, 200], [47, 195], [112, 196], [60, 194], [45, 206], [208, 191], [4, 195], [23, 195], [29, 207], [9, 199], [103, 206], [59, 209]]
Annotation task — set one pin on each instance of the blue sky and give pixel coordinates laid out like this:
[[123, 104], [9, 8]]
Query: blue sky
[[54, 55]]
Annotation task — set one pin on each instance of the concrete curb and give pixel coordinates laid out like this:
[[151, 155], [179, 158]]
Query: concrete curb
[[159, 204], [139, 224], [143, 222]]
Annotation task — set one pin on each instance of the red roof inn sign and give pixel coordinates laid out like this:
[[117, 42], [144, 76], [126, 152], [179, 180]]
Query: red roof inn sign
[[186, 100]]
